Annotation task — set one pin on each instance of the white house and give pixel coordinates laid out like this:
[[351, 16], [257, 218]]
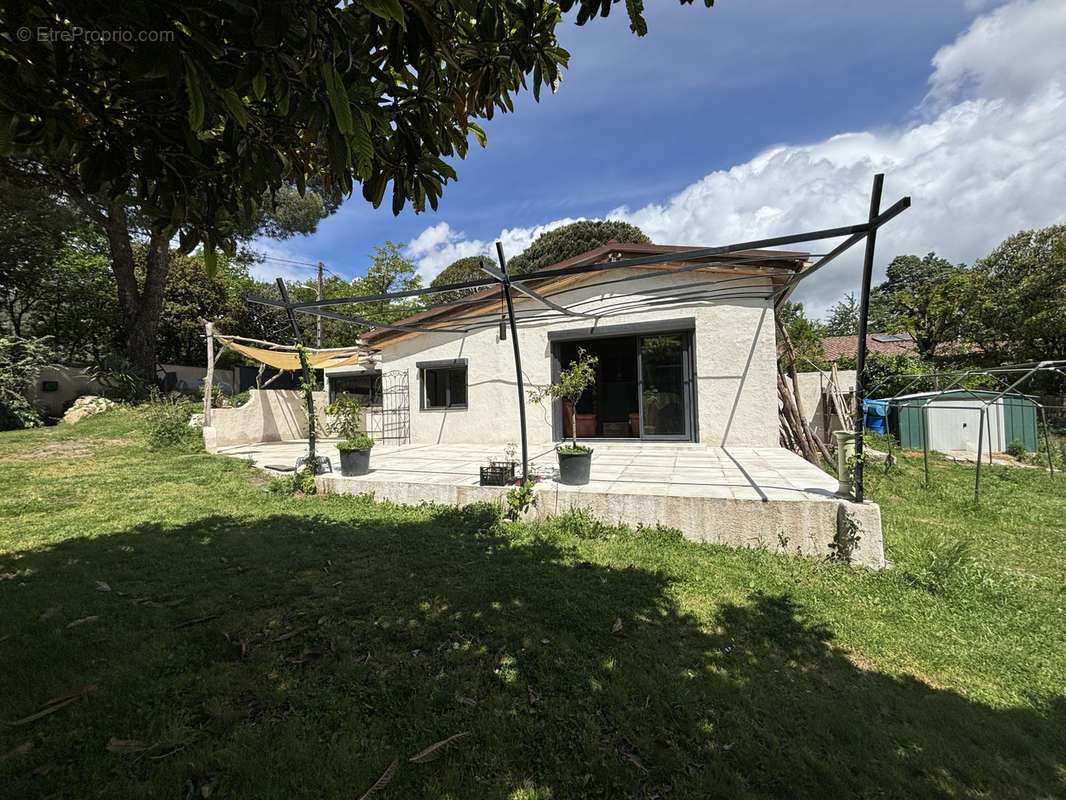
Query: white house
[[683, 356]]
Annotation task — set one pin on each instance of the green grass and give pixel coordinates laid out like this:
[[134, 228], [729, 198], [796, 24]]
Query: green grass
[[327, 637]]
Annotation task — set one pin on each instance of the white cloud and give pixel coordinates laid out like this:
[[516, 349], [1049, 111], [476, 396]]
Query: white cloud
[[439, 245], [983, 159], [1009, 52]]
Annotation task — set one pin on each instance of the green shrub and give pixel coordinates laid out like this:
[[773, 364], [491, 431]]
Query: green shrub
[[581, 524], [166, 422], [343, 417], [359, 442], [298, 483], [239, 399], [21, 362], [519, 498], [1016, 449]]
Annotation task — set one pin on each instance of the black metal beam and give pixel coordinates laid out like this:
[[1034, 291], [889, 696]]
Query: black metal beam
[[266, 301], [306, 370], [680, 255], [864, 318], [506, 281], [891, 212]]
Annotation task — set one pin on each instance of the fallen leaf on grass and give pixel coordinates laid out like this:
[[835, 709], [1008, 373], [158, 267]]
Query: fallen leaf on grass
[[125, 745], [50, 612], [56, 703], [533, 696], [82, 621], [383, 781], [196, 621], [632, 759], [101, 586], [7, 576], [290, 634], [617, 627], [435, 750]]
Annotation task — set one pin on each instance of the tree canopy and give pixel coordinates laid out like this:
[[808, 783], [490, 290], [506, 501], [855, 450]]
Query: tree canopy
[[1016, 302], [924, 297], [571, 240], [250, 95], [463, 269], [843, 319]]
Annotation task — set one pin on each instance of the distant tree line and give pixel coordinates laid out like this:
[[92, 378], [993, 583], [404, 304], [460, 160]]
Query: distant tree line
[[1009, 306]]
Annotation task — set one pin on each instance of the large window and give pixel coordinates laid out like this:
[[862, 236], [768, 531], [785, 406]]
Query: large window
[[364, 387], [444, 386]]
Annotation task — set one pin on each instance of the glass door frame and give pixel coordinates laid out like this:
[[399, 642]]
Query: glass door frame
[[687, 388]]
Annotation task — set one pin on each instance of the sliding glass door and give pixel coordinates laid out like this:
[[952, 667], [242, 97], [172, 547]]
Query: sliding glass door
[[665, 387]]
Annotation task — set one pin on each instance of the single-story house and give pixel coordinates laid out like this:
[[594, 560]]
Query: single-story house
[[683, 356]]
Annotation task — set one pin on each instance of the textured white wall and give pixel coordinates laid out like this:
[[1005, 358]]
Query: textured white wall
[[734, 357]]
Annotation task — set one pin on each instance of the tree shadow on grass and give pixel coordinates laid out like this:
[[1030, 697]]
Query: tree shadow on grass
[[297, 657]]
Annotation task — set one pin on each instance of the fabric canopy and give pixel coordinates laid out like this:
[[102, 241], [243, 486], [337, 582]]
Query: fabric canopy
[[286, 359]]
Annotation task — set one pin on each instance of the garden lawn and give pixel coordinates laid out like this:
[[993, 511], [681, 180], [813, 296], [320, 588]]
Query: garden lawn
[[192, 634]]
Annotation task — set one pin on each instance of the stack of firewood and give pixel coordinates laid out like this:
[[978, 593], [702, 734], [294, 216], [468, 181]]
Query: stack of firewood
[[796, 433]]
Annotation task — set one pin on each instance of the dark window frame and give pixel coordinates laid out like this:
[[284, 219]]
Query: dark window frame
[[375, 393], [445, 368]]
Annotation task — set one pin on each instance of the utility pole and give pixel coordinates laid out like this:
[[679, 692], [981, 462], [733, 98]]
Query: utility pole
[[321, 296]]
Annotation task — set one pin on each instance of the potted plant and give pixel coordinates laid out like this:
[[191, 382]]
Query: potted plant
[[575, 460], [344, 417]]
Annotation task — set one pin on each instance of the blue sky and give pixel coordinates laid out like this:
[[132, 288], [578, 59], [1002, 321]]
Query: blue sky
[[720, 122]]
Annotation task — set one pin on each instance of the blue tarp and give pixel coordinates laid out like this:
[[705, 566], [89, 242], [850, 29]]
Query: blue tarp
[[876, 412]]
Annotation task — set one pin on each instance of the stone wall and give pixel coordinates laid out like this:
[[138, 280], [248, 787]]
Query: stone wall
[[270, 415]]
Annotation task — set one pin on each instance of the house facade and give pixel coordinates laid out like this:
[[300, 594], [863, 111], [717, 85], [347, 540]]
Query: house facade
[[684, 356]]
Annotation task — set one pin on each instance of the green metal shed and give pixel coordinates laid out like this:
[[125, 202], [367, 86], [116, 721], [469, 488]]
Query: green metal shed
[[954, 417]]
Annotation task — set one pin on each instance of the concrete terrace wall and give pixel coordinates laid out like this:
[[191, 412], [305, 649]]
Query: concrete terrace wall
[[270, 415], [734, 353]]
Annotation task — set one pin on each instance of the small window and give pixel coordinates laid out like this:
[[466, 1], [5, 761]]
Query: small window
[[444, 387], [365, 388]]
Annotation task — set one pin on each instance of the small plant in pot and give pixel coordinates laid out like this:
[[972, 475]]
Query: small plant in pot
[[344, 416], [575, 460]]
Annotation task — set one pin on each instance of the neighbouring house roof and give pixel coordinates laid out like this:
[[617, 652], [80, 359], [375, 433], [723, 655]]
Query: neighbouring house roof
[[890, 344], [778, 264]]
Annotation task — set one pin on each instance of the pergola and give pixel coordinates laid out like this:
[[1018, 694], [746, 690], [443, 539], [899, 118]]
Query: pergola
[[1009, 380], [497, 279]]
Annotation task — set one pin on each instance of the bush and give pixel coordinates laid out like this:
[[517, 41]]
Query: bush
[[1016, 449], [21, 362], [302, 482], [359, 442], [581, 524], [239, 399], [166, 422]]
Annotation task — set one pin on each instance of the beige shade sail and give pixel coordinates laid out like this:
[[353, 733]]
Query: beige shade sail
[[282, 359]]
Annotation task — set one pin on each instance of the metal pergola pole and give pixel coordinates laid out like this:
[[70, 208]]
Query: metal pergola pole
[[864, 315], [980, 441], [1047, 441], [306, 370], [517, 361]]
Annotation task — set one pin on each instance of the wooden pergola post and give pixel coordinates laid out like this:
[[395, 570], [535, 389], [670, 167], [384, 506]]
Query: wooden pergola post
[[209, 330]]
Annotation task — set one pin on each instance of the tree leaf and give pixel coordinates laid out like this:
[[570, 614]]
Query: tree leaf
[[479, 133], [194, 91], [338, 98], [236, 107], [259, 83]]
